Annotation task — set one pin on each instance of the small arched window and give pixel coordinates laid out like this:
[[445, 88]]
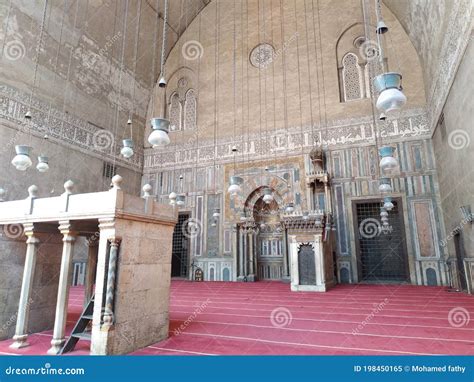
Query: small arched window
[[352, 78], [182, 107], [190, 110], [175, 112]]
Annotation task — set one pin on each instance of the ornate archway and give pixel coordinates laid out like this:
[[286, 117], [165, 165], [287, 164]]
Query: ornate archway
[[269, 238], [252, 191]]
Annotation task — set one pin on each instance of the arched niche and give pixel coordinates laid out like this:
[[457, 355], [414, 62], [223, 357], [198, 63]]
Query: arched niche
[[160, 98], [252, 190]]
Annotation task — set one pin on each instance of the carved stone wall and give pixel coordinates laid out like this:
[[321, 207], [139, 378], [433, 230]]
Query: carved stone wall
[[45, 285], [440, 32], [453, 143], [299, 83], [281, 159]]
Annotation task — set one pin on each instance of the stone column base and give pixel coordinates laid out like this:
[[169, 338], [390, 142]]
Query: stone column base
[[56, 346], [312, 288], [252, 278], [20, 342]]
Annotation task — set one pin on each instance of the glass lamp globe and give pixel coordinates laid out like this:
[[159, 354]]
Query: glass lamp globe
[[42, 165], [159, 138], [235, 182], [388, 164], [290, 208], [268, 198], [390, 100], [180, 200], [127, 149], [385, 188], [234, 189], [267, 195], [172, 197], [22, 160], [388, 205], [127, 152], [385, 185]]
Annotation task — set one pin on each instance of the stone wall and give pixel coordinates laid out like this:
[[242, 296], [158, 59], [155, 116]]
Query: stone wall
[[279, 159], [85, 168], [355, 177], [440, 31], [45, 284], [297, 86], [80, 63], [142, 288], [273, 112], [453, 143]]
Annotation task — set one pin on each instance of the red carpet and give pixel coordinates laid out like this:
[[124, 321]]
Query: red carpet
[[236, 318]]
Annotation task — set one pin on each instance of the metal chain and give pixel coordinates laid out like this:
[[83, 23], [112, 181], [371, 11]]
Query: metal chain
[[163, 45], [38, 48]]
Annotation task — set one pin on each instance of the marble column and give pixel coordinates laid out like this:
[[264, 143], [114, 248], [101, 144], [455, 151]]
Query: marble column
[[69, 237], [111, 274], [235, 248], [255, 251], [251, 255], [91, 267], [245, 253], [21, 331], [286, 268], [310, 196], [241, 254], [328, 201]]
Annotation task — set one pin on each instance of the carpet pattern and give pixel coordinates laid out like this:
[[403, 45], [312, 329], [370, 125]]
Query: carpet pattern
[[213, 318]]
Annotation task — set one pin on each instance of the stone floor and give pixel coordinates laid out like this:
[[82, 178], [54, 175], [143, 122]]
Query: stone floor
[[266, 318]]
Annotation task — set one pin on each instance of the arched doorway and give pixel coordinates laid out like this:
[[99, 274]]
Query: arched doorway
[[270, 248]]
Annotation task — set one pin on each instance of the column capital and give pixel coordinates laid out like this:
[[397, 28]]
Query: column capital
[[93, 240], [30, 233], [114, 241], [108, 223], [65, 227], [31, 239]]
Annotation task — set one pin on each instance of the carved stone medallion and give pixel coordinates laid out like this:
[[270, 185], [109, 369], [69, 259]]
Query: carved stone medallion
[[262, 55]]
